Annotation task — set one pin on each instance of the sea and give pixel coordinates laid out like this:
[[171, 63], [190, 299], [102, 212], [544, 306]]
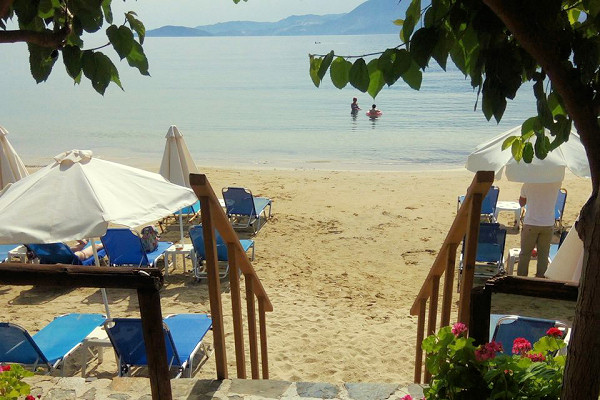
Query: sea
[[249, 102]]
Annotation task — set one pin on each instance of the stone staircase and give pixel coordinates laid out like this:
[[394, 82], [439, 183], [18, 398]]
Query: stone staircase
[[56, 388]]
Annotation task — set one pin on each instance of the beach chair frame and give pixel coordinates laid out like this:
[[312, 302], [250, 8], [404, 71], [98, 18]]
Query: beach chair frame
[[245, 210]]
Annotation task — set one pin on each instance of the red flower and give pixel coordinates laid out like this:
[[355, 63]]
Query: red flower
[[30, 397], [554, 332], [407, 397], [521, 346], [487, 351], [458, 329], [537, 357], [4, 368]]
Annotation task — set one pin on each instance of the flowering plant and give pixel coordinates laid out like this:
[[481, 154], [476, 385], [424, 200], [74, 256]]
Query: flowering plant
[[461, 370], [11, 385]]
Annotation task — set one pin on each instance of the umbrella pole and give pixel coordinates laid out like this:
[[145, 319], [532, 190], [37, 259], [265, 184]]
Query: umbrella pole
[[102, 290], [181, 226]]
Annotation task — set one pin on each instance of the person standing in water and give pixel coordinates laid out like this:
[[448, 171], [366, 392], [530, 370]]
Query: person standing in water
[[354, 106]]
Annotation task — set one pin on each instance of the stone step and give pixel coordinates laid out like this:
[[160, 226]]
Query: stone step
[[56, 388]]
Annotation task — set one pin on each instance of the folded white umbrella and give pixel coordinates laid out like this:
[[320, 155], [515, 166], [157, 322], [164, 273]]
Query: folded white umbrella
[[11, 167], [566, 264], [489, 156], [177, 163]]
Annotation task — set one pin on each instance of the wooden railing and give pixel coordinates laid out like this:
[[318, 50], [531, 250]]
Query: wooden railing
[[213, 217], [465, 225]]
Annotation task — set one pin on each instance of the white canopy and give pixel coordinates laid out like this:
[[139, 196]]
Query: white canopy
[[78, 196], [489, 156], [11, 167], [566, 264], [177, 162]]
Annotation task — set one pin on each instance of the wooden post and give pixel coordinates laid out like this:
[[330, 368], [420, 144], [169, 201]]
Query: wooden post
[[420, 331], [214, 288], [154, 340], [262, 318], [479, 321], [469, 256], [236, 308], [433, 305], [252, 337], [448, 284]]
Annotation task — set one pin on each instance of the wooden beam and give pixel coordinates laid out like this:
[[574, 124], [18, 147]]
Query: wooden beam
[[214, 288], [431, 320], [62, 275], [448, 285], [418, 348], [536, 287], [468, 271], [154, 340], [479, 317], [236, 308], [262, 321], [252, 336]]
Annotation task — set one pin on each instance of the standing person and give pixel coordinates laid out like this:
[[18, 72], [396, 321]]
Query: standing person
[[354, 106], [538, 224]]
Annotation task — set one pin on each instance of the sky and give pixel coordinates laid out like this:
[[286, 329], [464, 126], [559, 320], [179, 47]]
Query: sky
[[157, 13]]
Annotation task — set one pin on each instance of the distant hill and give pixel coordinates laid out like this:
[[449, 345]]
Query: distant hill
[[371, 17], [176, 31]]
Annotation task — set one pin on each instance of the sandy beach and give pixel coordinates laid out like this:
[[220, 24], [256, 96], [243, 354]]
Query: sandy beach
[[342, 260]]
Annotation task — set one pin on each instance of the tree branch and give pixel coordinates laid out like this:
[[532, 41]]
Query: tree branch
[[44, 39], [4, 7], [541, 44]]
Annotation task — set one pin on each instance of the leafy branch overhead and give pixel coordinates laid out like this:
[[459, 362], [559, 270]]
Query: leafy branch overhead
[[486, 52], [53, 27]]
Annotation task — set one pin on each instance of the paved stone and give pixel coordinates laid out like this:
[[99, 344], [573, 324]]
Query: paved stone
[[269, 389], [318, 390], [370, 391], [204, 389]]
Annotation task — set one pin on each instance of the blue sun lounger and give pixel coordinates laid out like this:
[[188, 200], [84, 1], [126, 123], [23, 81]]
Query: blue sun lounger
[[5, 249], [197, 237], [124, 247], [60, 253], [244, 210], [184, 334], [51, 345], [510, 327]]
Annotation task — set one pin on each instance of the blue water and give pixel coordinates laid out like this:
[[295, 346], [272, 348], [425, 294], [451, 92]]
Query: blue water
[[248, 101]]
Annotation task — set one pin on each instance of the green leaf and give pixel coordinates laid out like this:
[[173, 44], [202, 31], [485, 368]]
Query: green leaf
[[542, 145], [121, 38], [106, 9], [89, 13], [98, 68], [46, 8], [26, 11], [407, 29], [413, 76], [325, 65], [517, 150], [494, 103], [359, 75], [340, 72], [413, 14], [315, 64], [530, 126], [509, 141], [72, 61], [136, 25], [40, 62], [422, 44], [555, 104], [398, 22], [528, 153], [137, 58], [376, 80]]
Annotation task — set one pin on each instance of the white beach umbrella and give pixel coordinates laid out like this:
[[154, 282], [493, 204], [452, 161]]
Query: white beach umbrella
[[489, 156], [11, 167], [177, 163], [566, 264]]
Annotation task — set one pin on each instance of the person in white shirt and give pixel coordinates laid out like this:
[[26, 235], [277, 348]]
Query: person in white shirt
[[538, 224]]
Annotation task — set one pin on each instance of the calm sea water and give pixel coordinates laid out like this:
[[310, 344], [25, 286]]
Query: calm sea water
[[248, 101]]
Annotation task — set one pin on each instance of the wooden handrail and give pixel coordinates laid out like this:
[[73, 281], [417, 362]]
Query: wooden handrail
[[465, 225], [213, 217]]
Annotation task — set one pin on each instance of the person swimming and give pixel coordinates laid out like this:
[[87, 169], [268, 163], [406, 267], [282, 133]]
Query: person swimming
[[374, 112]]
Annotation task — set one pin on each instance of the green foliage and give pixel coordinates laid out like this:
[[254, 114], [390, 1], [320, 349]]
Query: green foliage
[[57, 26], [11, 385], [486, 52], [462, 371]]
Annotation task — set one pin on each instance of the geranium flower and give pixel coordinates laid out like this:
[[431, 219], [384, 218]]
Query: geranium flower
[[536, 357], [4, 368], [459, 328], [407, 397], [554, 332], [29, 397], [487, 351], [521, 346]]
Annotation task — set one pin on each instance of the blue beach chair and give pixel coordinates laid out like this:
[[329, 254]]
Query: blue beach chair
[[510, 327], [124, 247], [559, 209], [244, 210], [60, 253], [5, 249], [184, 334], [197, 237], [51, 345], [488, 205]]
